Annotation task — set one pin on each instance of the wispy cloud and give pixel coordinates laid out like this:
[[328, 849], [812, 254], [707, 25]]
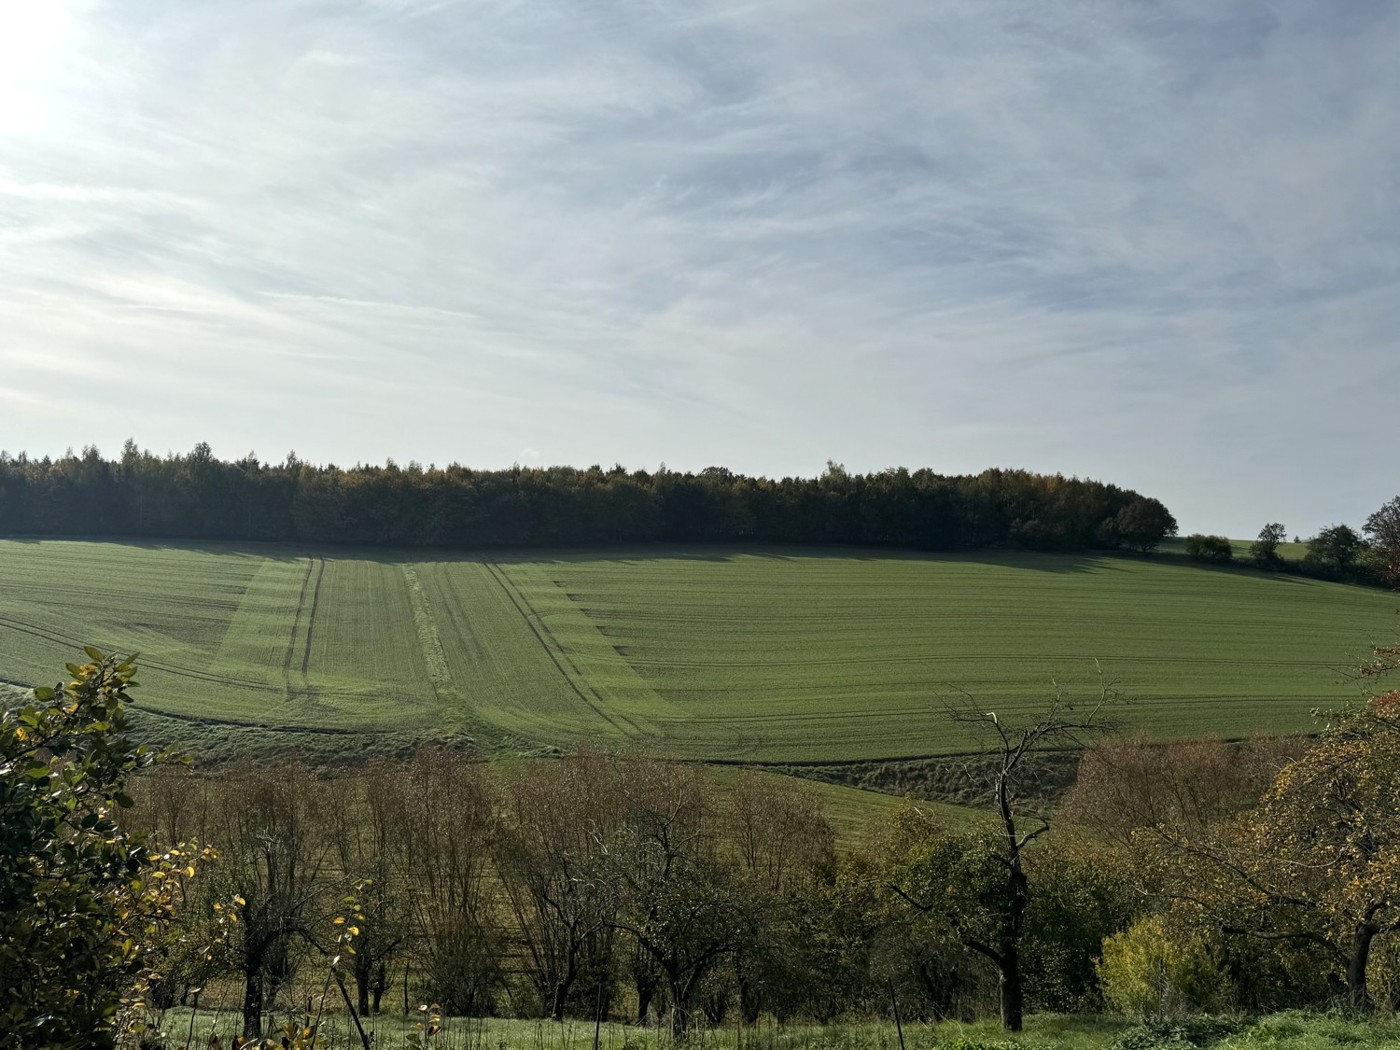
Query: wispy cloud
[[1156, 246]]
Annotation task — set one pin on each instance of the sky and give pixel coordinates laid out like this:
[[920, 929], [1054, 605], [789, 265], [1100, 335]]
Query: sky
[[1153, 244]]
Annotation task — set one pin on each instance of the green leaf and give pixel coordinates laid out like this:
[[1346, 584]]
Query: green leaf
[[44, 694], [94, 654]]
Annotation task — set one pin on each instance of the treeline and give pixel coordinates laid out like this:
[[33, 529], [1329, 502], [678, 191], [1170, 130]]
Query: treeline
[[1338, 552], [198, 496]]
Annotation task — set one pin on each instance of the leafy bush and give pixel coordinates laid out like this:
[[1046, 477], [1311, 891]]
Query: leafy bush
[[1177, 1035], [1208, 548], [83, 902], [1148, 971]]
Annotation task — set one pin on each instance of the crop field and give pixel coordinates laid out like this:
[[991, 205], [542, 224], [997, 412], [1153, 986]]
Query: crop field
[[765, 655]]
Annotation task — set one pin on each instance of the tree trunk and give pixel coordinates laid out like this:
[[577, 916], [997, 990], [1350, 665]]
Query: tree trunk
[[680, 1011], [562, 988], [646, 991], [750, 1001], [252, 1004], [381, 981], [362, 990], [1012, 997], [1359, 996]]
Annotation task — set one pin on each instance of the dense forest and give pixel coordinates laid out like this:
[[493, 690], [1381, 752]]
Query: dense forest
[[198, 496]]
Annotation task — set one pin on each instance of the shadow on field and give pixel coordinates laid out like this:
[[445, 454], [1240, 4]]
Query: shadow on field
[[1053, 562]]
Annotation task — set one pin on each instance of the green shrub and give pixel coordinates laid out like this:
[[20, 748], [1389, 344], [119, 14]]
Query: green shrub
[[1151, 972], [1209, 548], [1177, 1035]]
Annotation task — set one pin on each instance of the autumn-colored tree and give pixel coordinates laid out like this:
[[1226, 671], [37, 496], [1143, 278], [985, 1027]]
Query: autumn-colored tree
[[1316, 863]]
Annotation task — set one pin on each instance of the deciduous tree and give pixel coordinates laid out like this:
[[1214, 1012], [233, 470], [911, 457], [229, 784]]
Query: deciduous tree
[[1263, 552], [1383, 528], [989, 892]]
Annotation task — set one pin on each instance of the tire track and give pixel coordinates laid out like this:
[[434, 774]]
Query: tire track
[[311, 618], [292, 637], [531, 618]]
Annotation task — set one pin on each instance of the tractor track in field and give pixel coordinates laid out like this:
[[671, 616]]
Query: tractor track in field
[[316, 565], [296, 622], [531, 617], [311, 620]]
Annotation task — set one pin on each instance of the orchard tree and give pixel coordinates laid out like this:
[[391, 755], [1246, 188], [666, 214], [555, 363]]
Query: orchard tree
[[84, 902], [988, 892], [1317, 863], [677, 896], [275, 878], [549, 849]]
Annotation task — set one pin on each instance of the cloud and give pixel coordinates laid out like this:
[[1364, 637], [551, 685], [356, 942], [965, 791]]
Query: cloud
[[1152, 246]]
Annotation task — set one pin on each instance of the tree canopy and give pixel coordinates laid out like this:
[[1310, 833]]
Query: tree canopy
[[196, 495]]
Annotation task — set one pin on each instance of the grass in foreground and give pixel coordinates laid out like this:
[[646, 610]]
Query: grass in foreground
[[1293, 1030]]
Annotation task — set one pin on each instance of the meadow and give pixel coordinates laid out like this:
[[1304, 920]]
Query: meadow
[[779, 655], [1291, 1030]]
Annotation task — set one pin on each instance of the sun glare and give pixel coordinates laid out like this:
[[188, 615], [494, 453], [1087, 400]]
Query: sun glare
[[30, 33]]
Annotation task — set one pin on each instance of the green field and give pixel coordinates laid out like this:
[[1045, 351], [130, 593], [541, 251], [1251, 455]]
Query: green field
[[766, 655]]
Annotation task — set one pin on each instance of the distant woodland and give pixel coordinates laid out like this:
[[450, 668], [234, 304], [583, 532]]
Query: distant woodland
[[195, 495]]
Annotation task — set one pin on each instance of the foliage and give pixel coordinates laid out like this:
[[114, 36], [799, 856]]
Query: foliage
[[84, 902], [549, 848], [1333, 552], [1315, 865], [197, 495], [1178, 1034], [1201, 547], [1263, 552], [1081, 893], [1383, 529], [1150, 971], [1142, 524]]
